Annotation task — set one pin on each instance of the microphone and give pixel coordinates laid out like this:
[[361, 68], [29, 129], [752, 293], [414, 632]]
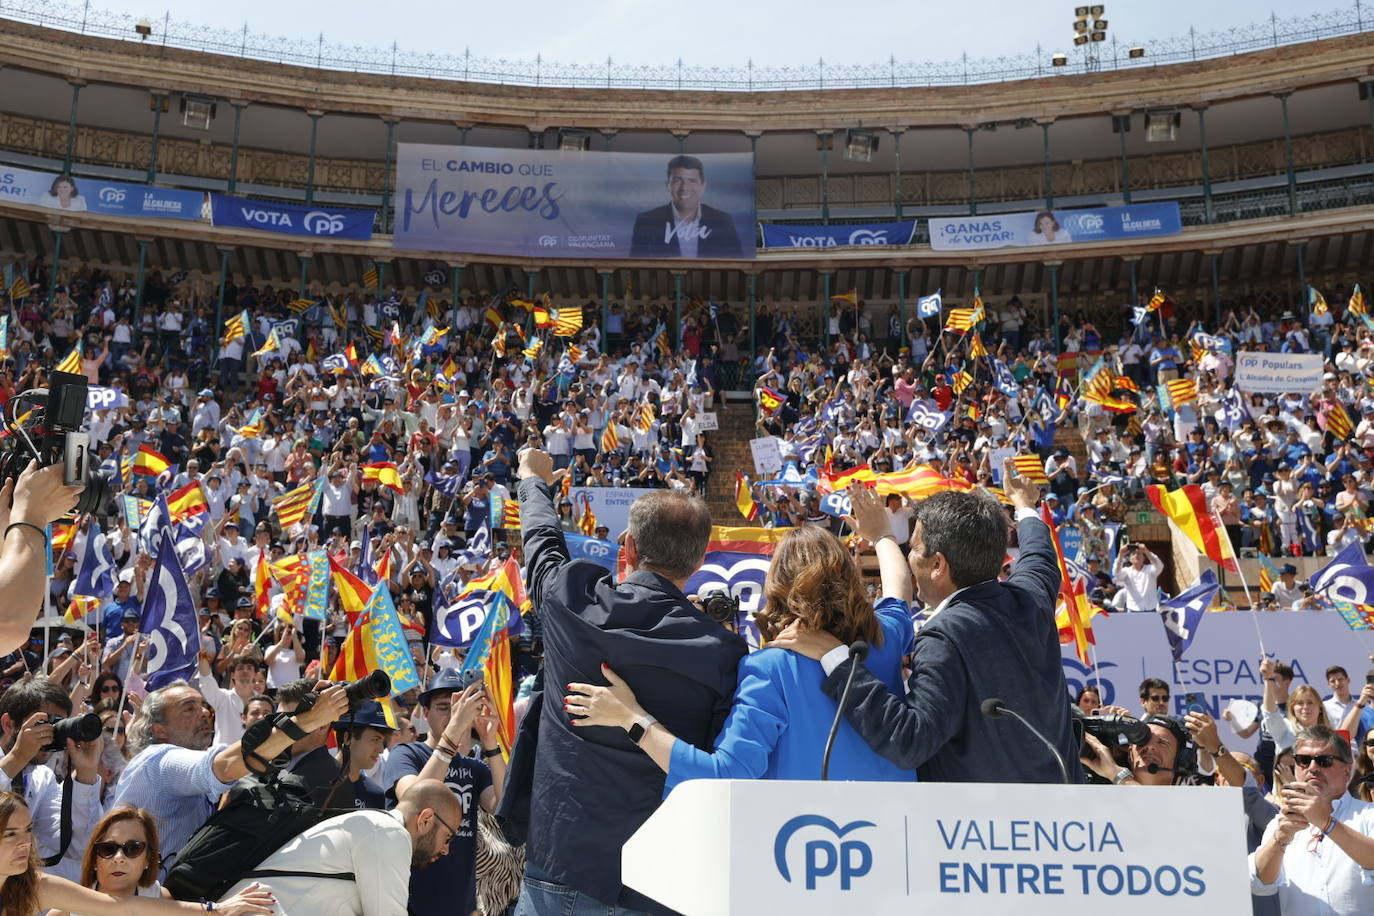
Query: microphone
[[994, 708], [1156, 768], [858, 651]]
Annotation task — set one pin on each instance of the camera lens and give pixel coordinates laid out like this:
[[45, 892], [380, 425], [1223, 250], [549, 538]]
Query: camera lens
[[98, 497], [78, 728], [372, 687]]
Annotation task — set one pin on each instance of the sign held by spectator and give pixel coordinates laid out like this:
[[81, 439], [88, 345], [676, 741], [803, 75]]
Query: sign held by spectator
[[1279, 373], [767, 455]]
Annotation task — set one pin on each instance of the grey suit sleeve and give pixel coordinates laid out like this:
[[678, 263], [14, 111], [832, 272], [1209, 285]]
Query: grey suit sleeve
[[545, 548], [1036, 568], [907, 730]]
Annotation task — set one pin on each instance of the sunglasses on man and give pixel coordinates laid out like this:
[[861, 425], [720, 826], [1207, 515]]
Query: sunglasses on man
[[1325, 761]]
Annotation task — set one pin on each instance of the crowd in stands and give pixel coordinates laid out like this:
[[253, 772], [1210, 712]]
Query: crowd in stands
[[410, 419]]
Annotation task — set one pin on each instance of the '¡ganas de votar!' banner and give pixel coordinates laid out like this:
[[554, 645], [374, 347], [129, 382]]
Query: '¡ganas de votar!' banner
[[1054, 227], [555, 204]]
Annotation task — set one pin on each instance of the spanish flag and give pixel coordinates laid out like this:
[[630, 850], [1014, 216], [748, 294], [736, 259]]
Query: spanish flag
[[770, 401], [187, 501], [829, 482], [351, 354], [384, 473], [744, 498], [1031, 468], [1187, 508], [745, 540], [262, 587], [523, 304], [63, 533], [149, 462], [72, 361], [851, 297], [1073, 614], [492, 316], [353, 591], [80, 608], [567, 322], [543, 317], [357, 656], [610, 438]]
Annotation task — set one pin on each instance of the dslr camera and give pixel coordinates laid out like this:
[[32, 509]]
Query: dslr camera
[[52, 435], [85, 727], [721, 607]]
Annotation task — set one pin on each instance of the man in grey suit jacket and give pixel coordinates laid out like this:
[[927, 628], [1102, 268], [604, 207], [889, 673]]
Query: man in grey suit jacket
[[986, 638]]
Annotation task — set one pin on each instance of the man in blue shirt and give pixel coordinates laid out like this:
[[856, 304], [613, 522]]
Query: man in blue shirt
[[1164, 360], [124, 600]]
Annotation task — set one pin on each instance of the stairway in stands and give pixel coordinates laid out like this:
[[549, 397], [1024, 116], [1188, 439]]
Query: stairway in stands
[[731, 445]]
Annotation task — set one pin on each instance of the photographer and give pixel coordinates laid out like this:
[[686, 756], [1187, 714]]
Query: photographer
[[28, 710], [1137, 571], [27, 506], [1166, 756]]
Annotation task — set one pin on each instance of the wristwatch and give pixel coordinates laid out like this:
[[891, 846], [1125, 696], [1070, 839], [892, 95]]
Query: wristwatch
[[1221, 752], [494, 752], [1121, 776], [641, 726]]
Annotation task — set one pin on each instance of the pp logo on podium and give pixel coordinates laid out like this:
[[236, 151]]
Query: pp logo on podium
[[848, 859]]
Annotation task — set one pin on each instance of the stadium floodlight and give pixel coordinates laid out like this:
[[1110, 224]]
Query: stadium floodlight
[[144, 28], [574, 141], [1080, 40], [1135, 52], [1097, 10], [1059, 60], [1099, 25], [860, 145], [1099, 36], [1080, 25], [1081, 12]]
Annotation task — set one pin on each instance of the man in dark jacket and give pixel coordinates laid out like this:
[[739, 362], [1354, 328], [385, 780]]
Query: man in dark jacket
[[685, 227], [591, 787], [986, 638]]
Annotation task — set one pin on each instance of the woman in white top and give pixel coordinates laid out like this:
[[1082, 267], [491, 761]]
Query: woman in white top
[[1305, 709], [284, 657]]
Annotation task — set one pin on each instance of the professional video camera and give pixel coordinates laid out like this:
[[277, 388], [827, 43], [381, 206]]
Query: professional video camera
[[50, 431]]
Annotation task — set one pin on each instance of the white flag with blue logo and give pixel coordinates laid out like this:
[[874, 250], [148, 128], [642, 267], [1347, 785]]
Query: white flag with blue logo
[[95, 573], [479, 548], [929, 306], [1183, 614], [927, 416], [169, 619]]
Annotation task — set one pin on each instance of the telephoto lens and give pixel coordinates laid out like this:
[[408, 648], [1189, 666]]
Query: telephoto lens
[[78, 728], [372, 687]]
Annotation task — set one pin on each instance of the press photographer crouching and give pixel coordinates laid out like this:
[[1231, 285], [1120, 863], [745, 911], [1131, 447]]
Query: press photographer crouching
[[46, 471], [1124, 751]]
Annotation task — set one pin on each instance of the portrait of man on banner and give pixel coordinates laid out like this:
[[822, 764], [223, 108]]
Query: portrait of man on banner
[[685, 227]]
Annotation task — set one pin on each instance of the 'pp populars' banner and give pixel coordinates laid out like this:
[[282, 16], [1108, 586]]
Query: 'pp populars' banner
[[549, 203]]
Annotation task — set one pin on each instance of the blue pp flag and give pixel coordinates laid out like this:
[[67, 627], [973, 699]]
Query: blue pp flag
[[1183, 614], [602, 553], [169, 619], [1348, 577], [929, 306], [95, 573]]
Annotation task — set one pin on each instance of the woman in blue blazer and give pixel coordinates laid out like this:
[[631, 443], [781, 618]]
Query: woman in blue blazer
[[780, 719]]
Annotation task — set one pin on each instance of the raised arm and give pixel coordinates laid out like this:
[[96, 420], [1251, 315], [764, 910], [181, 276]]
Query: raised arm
[[545, 547]]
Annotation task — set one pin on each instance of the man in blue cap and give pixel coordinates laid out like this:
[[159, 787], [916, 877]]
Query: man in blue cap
[[453, 704], [362, 736]]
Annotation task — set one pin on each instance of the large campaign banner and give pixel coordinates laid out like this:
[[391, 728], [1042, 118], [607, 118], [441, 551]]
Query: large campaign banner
[[1222, 664], [1279, 373], [783, 235], [291, 219], [1054, 227], [610, 504], [68, 194], [550, 203]]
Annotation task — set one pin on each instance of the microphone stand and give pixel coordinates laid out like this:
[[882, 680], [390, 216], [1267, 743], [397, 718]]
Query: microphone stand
[[858, 651], [995, 709]]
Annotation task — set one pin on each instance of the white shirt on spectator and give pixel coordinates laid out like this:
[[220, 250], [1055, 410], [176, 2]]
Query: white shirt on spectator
[[1326, 881], [1140, 585]]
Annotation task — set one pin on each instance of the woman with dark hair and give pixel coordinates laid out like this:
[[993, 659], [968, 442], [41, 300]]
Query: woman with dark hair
[[25, 890], [1089, 699], [1362, 777], [1047, 227], [122, 857], [63, 195], [778, 725]]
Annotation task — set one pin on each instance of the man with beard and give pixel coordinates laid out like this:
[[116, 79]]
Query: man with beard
[[360, 863]]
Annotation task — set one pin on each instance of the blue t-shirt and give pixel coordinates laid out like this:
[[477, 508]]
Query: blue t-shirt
[[450, 884], [367, 794]]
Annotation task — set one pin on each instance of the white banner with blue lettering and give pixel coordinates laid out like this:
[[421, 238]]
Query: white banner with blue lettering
[[1222, 664], [610, 504], [782, 235], [1279, 373], [69, 194], [880, 848], [550, 203], [1054, 227], [292, 219]]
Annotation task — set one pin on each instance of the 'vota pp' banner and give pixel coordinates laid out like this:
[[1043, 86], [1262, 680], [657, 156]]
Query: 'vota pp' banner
[[549, 203], [68, 194], [291, 219], [781, 235], [1054, 227]]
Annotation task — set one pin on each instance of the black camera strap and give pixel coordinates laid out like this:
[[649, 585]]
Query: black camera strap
[[64, 838]]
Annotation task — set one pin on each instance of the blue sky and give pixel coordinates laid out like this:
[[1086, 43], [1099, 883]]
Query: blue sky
[[717, 32]]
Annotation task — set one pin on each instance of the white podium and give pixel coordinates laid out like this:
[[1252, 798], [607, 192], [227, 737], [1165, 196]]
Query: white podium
[[720, 847]]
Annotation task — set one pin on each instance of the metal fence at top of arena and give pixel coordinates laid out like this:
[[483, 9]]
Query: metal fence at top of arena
[[1275, 31]]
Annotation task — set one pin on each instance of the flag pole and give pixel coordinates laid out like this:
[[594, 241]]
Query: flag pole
[[1245, 586]]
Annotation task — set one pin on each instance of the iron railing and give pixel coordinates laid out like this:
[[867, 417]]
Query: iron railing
[[1275, 31]]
